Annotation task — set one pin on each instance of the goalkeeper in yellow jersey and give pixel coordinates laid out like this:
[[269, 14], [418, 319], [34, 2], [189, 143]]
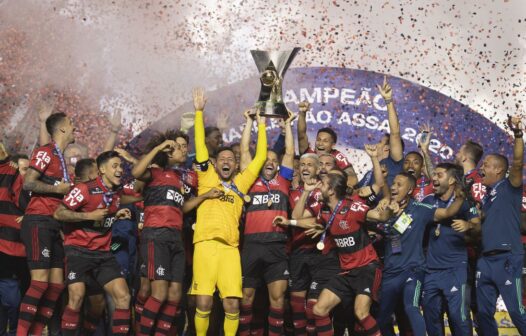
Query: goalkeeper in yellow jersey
[[216, 237]]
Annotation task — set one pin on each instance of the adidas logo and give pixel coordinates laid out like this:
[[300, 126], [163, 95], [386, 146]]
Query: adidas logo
[[367, 290], [507, 283], [286, 272], [454, 289], [409, 279]]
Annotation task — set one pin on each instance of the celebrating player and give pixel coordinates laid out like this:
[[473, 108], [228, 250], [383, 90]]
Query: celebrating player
[[216, 256]]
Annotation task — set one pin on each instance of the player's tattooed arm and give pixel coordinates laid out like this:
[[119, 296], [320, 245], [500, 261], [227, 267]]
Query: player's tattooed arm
[[31, 183], [65, 215]]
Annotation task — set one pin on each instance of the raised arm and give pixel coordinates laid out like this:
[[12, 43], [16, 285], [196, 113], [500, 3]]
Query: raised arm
[[44, 109], [395, 139], [201, 152], [515, 176], [140, 169], [300, 210], [372, 151], [424, 148], [304, 223], [261, 148], [244, 144], [116, 125], [288, 158], [303, 140]]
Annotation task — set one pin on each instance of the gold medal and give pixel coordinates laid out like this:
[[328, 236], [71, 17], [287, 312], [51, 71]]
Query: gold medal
[[247, 198], [193, 227], [269, 203], [320, 246], [437, 231]]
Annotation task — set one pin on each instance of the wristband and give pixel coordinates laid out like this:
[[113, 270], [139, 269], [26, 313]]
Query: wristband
[[293, 222], [388, 101], [517, 133]]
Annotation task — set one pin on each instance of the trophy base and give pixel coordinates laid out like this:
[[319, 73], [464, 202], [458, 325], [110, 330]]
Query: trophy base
[[271, 109]]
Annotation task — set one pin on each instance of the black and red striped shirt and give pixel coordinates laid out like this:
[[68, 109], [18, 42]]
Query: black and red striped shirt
[[349, 234], [45, 160], [341, 160], [478, 189], [268, 200], [87, 197], [11, 207], [299, 239], [164, 199], [423, 188]]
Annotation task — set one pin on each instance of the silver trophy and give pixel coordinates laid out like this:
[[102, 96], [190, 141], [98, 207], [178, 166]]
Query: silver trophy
[[272, 66]]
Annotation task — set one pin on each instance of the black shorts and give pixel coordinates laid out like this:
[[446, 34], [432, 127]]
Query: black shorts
[[92, 286], [363, 280], [263, 263], [87, 266], [44, 245], [310, 270], [162, 254]]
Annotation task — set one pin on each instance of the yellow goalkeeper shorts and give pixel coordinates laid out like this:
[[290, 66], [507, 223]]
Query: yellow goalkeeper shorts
[[216, 264]]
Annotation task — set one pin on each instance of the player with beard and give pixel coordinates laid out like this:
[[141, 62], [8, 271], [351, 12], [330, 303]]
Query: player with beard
[[404, 256], [311, 268], [499, 268], [48, 181], [216, 237], [447, 259], [264, 256], [161, 248], [89, 210], [326, 140], [468, 156], [361, 276]]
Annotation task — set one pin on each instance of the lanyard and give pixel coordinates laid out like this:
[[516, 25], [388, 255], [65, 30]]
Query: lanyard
[[234, 188], [62, 162], [321, 243], [107, 197], [267, 184]]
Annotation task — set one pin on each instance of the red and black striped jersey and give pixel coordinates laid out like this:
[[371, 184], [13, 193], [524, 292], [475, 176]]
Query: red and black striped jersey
[[423, 188], [268, 200], [87, 197], [314, 204], [45, 160], [478, 189], [164, 199], [10, 209], [341, 160], [349, 234]]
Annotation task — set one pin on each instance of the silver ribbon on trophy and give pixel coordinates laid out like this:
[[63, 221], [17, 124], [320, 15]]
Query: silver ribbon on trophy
[[272, 66]]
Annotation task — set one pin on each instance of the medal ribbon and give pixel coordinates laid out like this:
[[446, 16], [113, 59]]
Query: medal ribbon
[[107, 196], [331, 219], [62, 162], [232, 186]]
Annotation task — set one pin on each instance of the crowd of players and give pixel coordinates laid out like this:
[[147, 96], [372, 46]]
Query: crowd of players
[[270, 242]]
